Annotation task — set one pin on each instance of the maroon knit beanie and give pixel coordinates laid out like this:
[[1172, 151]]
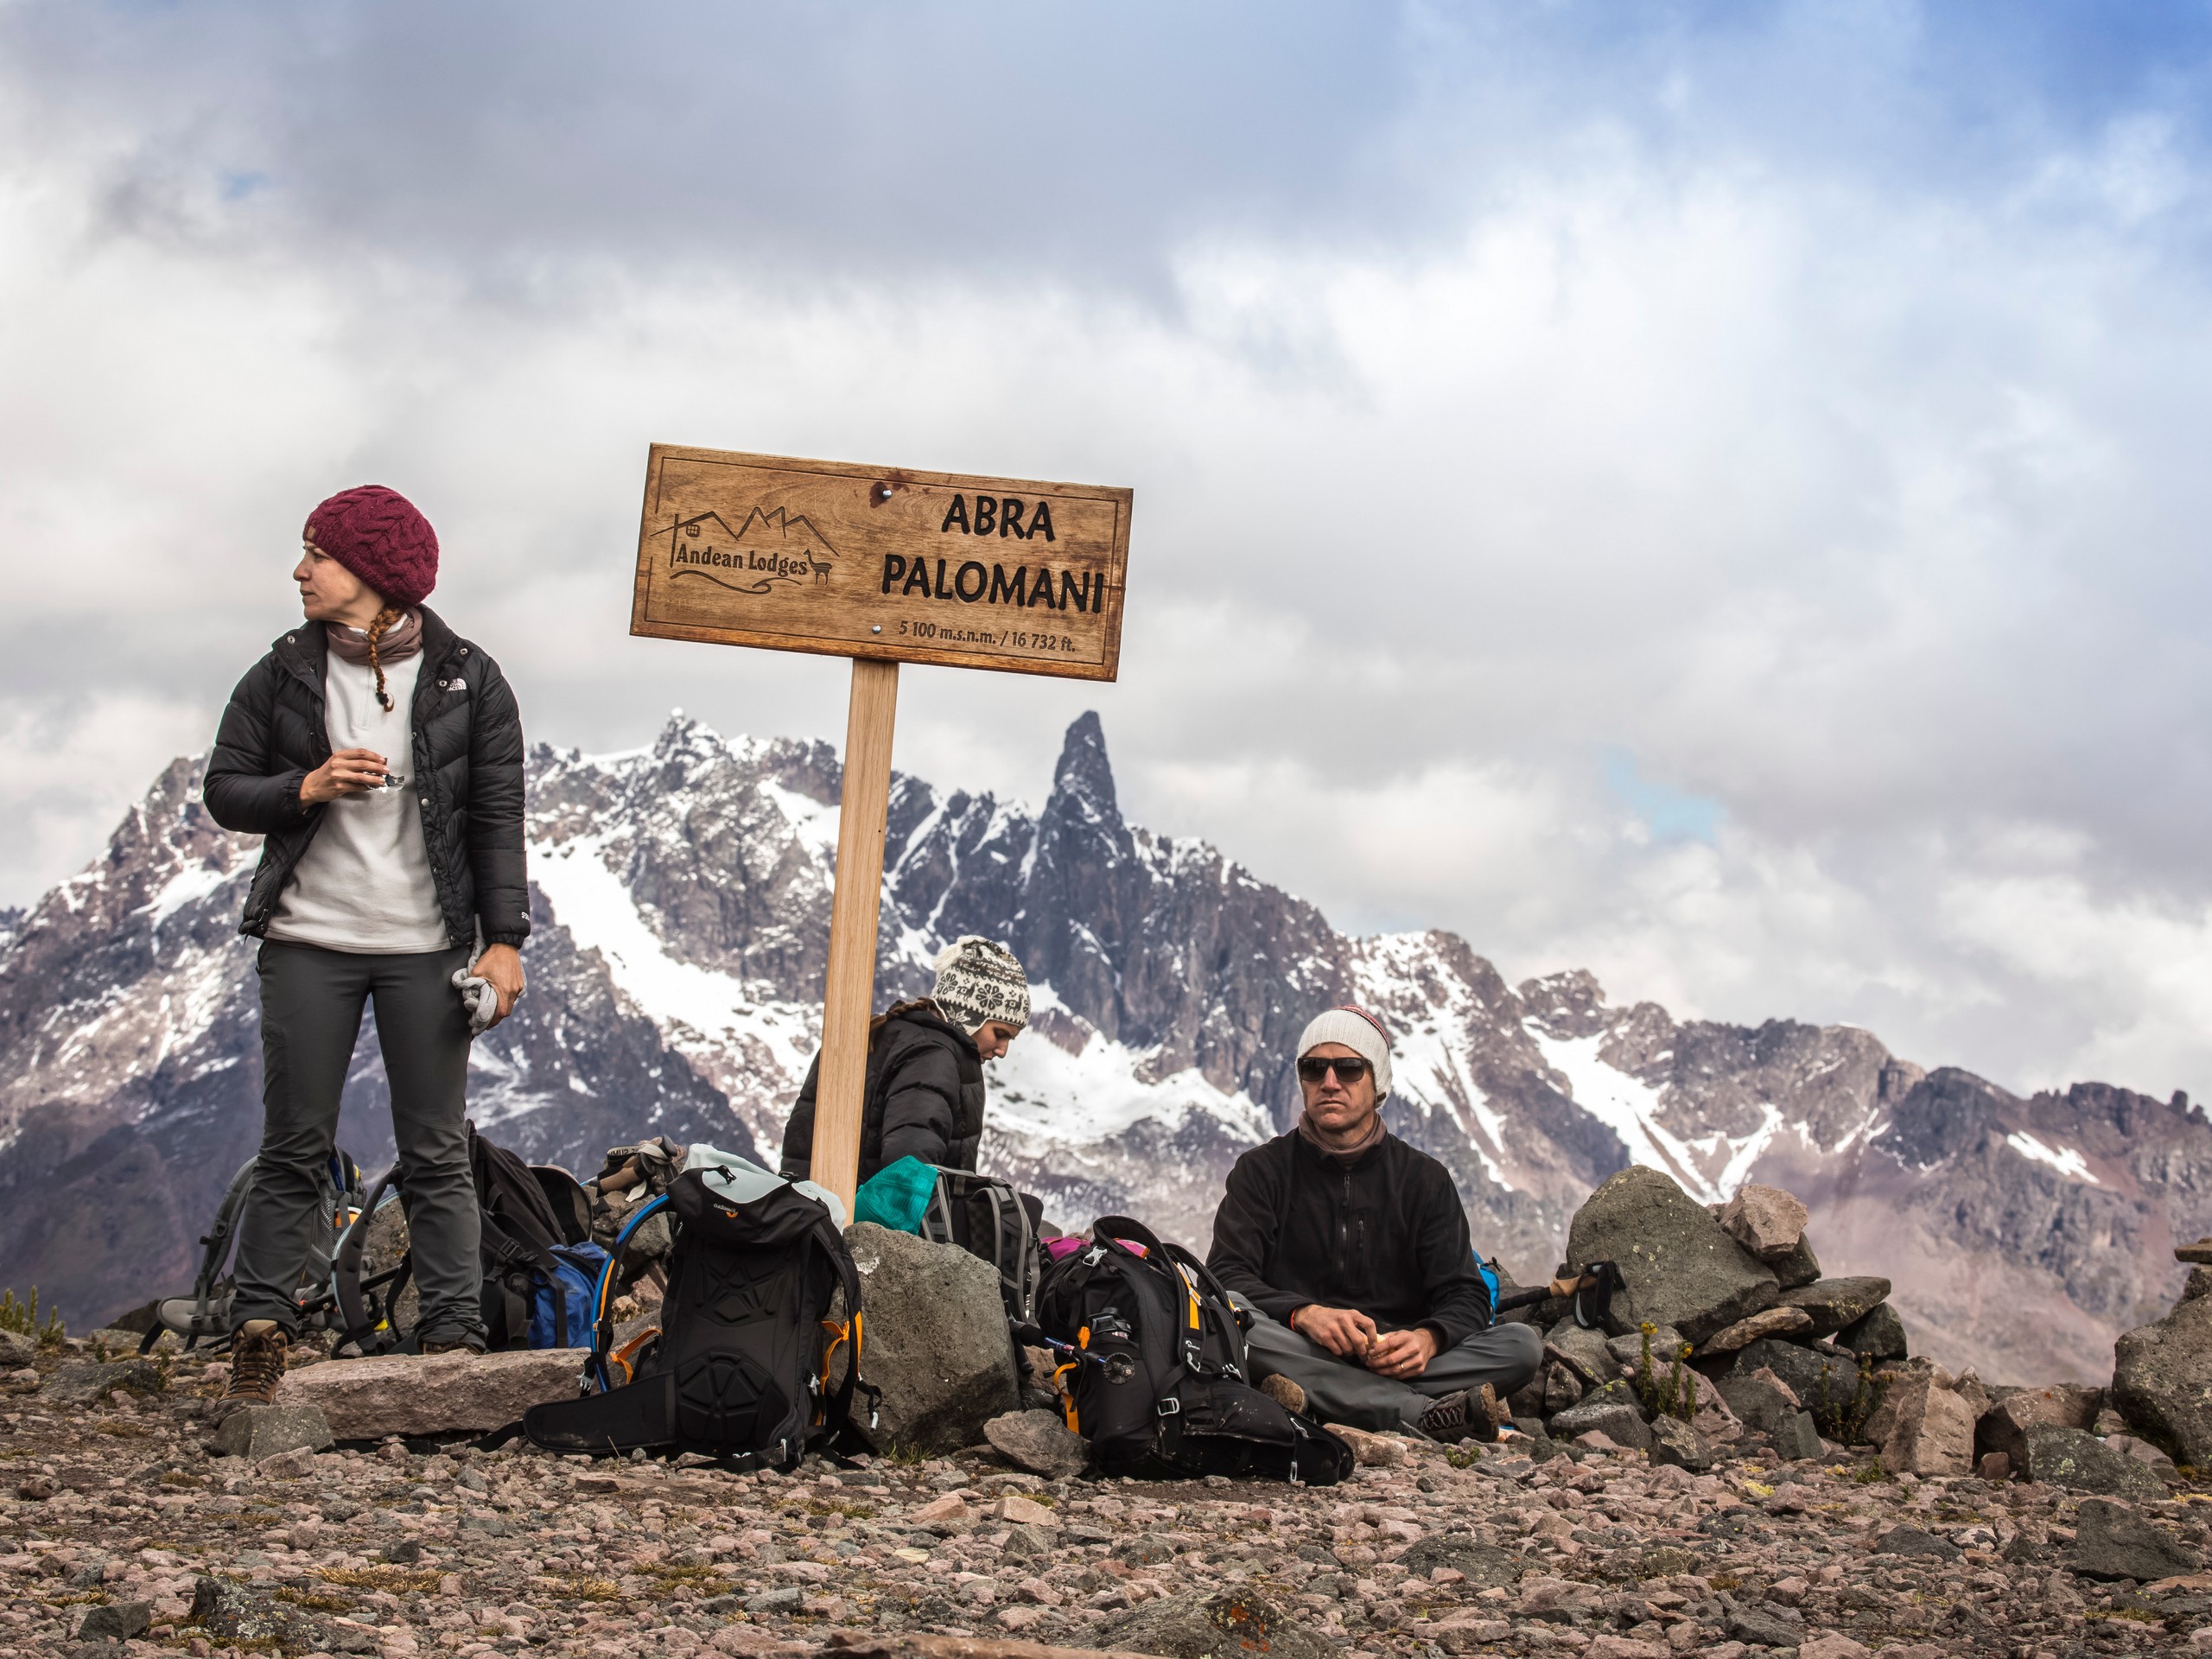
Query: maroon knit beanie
[[378, 534]]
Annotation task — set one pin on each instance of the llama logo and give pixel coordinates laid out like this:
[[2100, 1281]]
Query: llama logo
[[770, 550]]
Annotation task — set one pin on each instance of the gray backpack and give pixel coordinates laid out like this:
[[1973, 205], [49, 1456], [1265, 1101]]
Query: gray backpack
[[205, 1316]]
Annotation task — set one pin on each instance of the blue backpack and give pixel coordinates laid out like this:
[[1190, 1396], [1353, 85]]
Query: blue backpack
[[1488, 1271], [541, 1268]]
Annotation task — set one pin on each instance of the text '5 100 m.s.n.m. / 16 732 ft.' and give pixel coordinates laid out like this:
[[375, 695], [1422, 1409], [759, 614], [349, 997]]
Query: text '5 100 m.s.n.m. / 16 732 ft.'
[[943, 567]]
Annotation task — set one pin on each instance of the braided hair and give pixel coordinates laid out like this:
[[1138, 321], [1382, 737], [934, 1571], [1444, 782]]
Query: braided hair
[[385, 620]]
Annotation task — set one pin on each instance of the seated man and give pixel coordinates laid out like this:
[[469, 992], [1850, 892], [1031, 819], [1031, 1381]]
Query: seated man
[[1351, 1250]]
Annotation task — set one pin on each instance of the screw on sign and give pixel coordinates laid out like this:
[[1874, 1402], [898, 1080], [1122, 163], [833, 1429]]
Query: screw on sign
[[884, 565]]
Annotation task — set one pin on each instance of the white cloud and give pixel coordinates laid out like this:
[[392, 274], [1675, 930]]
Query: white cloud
[[1864, 509]]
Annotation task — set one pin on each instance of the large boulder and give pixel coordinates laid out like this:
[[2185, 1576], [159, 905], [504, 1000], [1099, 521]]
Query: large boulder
[[1585, 1351], [1612, 1411], [1825, 1384], [259, 1432], [1213, 1625], [432, 1394], [1765, 1220], [937, 1340], [2111, 1540], [1835, 1305], [2069, 1458], [1762, 1400], [1769, 1322], [1039, 1442], [2003, 1426], [1800, 1267], [1880, 1335], [1681, 1266], [1923, 1428], [2162, 1378]]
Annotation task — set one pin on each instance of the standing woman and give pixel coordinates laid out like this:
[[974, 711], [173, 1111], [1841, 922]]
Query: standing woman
[[381, 755]]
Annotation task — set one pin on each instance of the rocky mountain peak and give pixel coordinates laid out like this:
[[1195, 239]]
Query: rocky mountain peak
[[682, 898]]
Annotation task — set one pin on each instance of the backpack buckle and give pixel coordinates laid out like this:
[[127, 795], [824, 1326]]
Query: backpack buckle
[[1171, 1406]]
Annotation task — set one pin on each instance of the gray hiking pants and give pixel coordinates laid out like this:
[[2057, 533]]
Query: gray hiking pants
[[1345, 1391], [311, 1002]]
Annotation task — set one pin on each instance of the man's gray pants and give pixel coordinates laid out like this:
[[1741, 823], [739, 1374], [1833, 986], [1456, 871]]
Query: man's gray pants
[[1344, 1391], [311, 1003]]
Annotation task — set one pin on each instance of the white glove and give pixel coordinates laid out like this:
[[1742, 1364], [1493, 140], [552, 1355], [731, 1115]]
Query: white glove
[[479, 997]]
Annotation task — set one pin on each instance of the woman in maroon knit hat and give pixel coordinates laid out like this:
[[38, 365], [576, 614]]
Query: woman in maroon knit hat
[[381, 756]]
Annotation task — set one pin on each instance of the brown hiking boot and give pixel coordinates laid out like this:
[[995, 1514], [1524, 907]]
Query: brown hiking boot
[[257, 1363], [1487, 1414], [1285, 1393], [1448, 1417]]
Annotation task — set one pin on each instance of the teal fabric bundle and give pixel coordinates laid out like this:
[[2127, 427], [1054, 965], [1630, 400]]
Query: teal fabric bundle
[[897, 1196]]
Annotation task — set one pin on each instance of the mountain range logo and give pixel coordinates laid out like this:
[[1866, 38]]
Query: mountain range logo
[[772, 549]]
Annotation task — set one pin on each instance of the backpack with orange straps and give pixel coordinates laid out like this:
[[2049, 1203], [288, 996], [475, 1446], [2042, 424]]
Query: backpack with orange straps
[[1153, 1369], [742, 1367]]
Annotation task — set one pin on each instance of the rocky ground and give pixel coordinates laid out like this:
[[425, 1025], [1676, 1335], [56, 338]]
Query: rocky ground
[[116, 1517]]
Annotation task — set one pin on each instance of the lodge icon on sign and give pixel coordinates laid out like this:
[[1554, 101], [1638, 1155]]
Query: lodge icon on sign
[[770, 550]]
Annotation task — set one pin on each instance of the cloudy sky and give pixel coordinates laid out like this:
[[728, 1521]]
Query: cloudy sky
[[1712, 493]]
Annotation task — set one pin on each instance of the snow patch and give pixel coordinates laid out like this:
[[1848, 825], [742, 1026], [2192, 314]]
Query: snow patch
[[1040, 1091], [187, 887], [1630, 1108], [2067, 1162]]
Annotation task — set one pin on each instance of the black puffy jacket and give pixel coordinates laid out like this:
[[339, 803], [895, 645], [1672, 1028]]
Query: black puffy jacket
[[925, 1097], [466, 769]]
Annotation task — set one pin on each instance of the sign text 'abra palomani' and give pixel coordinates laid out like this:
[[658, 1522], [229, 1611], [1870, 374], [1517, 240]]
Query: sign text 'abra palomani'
[[865, 562]]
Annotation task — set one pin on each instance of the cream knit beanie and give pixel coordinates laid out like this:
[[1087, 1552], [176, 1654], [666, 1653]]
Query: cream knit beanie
[[1357, 1030]]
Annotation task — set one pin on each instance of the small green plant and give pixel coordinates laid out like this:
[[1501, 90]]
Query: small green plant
[[1844, 1420], [1677, 1395], [1868, 1474], [23, 1319], [1462, 1457]]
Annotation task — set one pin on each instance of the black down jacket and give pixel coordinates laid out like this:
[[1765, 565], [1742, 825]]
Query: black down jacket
[[925, 1097], [466, 769]]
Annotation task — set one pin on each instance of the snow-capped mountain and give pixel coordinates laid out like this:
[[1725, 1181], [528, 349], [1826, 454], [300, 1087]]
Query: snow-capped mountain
[[682, 895]]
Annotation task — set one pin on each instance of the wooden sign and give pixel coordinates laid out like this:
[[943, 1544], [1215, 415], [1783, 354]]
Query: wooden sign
[[881, 563]]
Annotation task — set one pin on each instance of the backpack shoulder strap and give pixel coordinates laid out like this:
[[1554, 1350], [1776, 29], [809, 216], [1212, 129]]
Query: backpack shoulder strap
[[217, 1241], [836, 1409], [602, 1336], [345, 1266]]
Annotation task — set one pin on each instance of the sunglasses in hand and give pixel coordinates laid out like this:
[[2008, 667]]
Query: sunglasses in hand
[[1313, 1069]]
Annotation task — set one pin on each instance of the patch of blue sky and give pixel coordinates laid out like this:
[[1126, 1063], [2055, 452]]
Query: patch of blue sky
[[1669, 814]]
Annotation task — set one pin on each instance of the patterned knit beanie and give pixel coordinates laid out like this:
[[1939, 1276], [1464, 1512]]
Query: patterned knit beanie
[[378, 534], [979, 981], [1356, 1029]]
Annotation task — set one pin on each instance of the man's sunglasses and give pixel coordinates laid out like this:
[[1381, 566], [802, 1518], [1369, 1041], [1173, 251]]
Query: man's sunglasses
[[1313, 1069]]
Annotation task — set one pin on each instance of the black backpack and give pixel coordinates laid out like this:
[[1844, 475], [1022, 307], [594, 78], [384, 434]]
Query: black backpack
[[538, 1261], [742, 1367], [987, 1218], [1155, 1359], [205, 1316]]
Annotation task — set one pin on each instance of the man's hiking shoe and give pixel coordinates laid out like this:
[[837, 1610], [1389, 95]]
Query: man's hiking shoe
[[1285, 1393], [1488, 1414], [1448, 1417], [257, 1363]]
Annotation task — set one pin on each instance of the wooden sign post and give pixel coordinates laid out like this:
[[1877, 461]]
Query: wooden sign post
[[882, 565]]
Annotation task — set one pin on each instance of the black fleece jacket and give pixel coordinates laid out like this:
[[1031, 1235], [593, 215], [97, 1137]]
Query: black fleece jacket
[[466, 767], [925, 1097], [1387, 1236]]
